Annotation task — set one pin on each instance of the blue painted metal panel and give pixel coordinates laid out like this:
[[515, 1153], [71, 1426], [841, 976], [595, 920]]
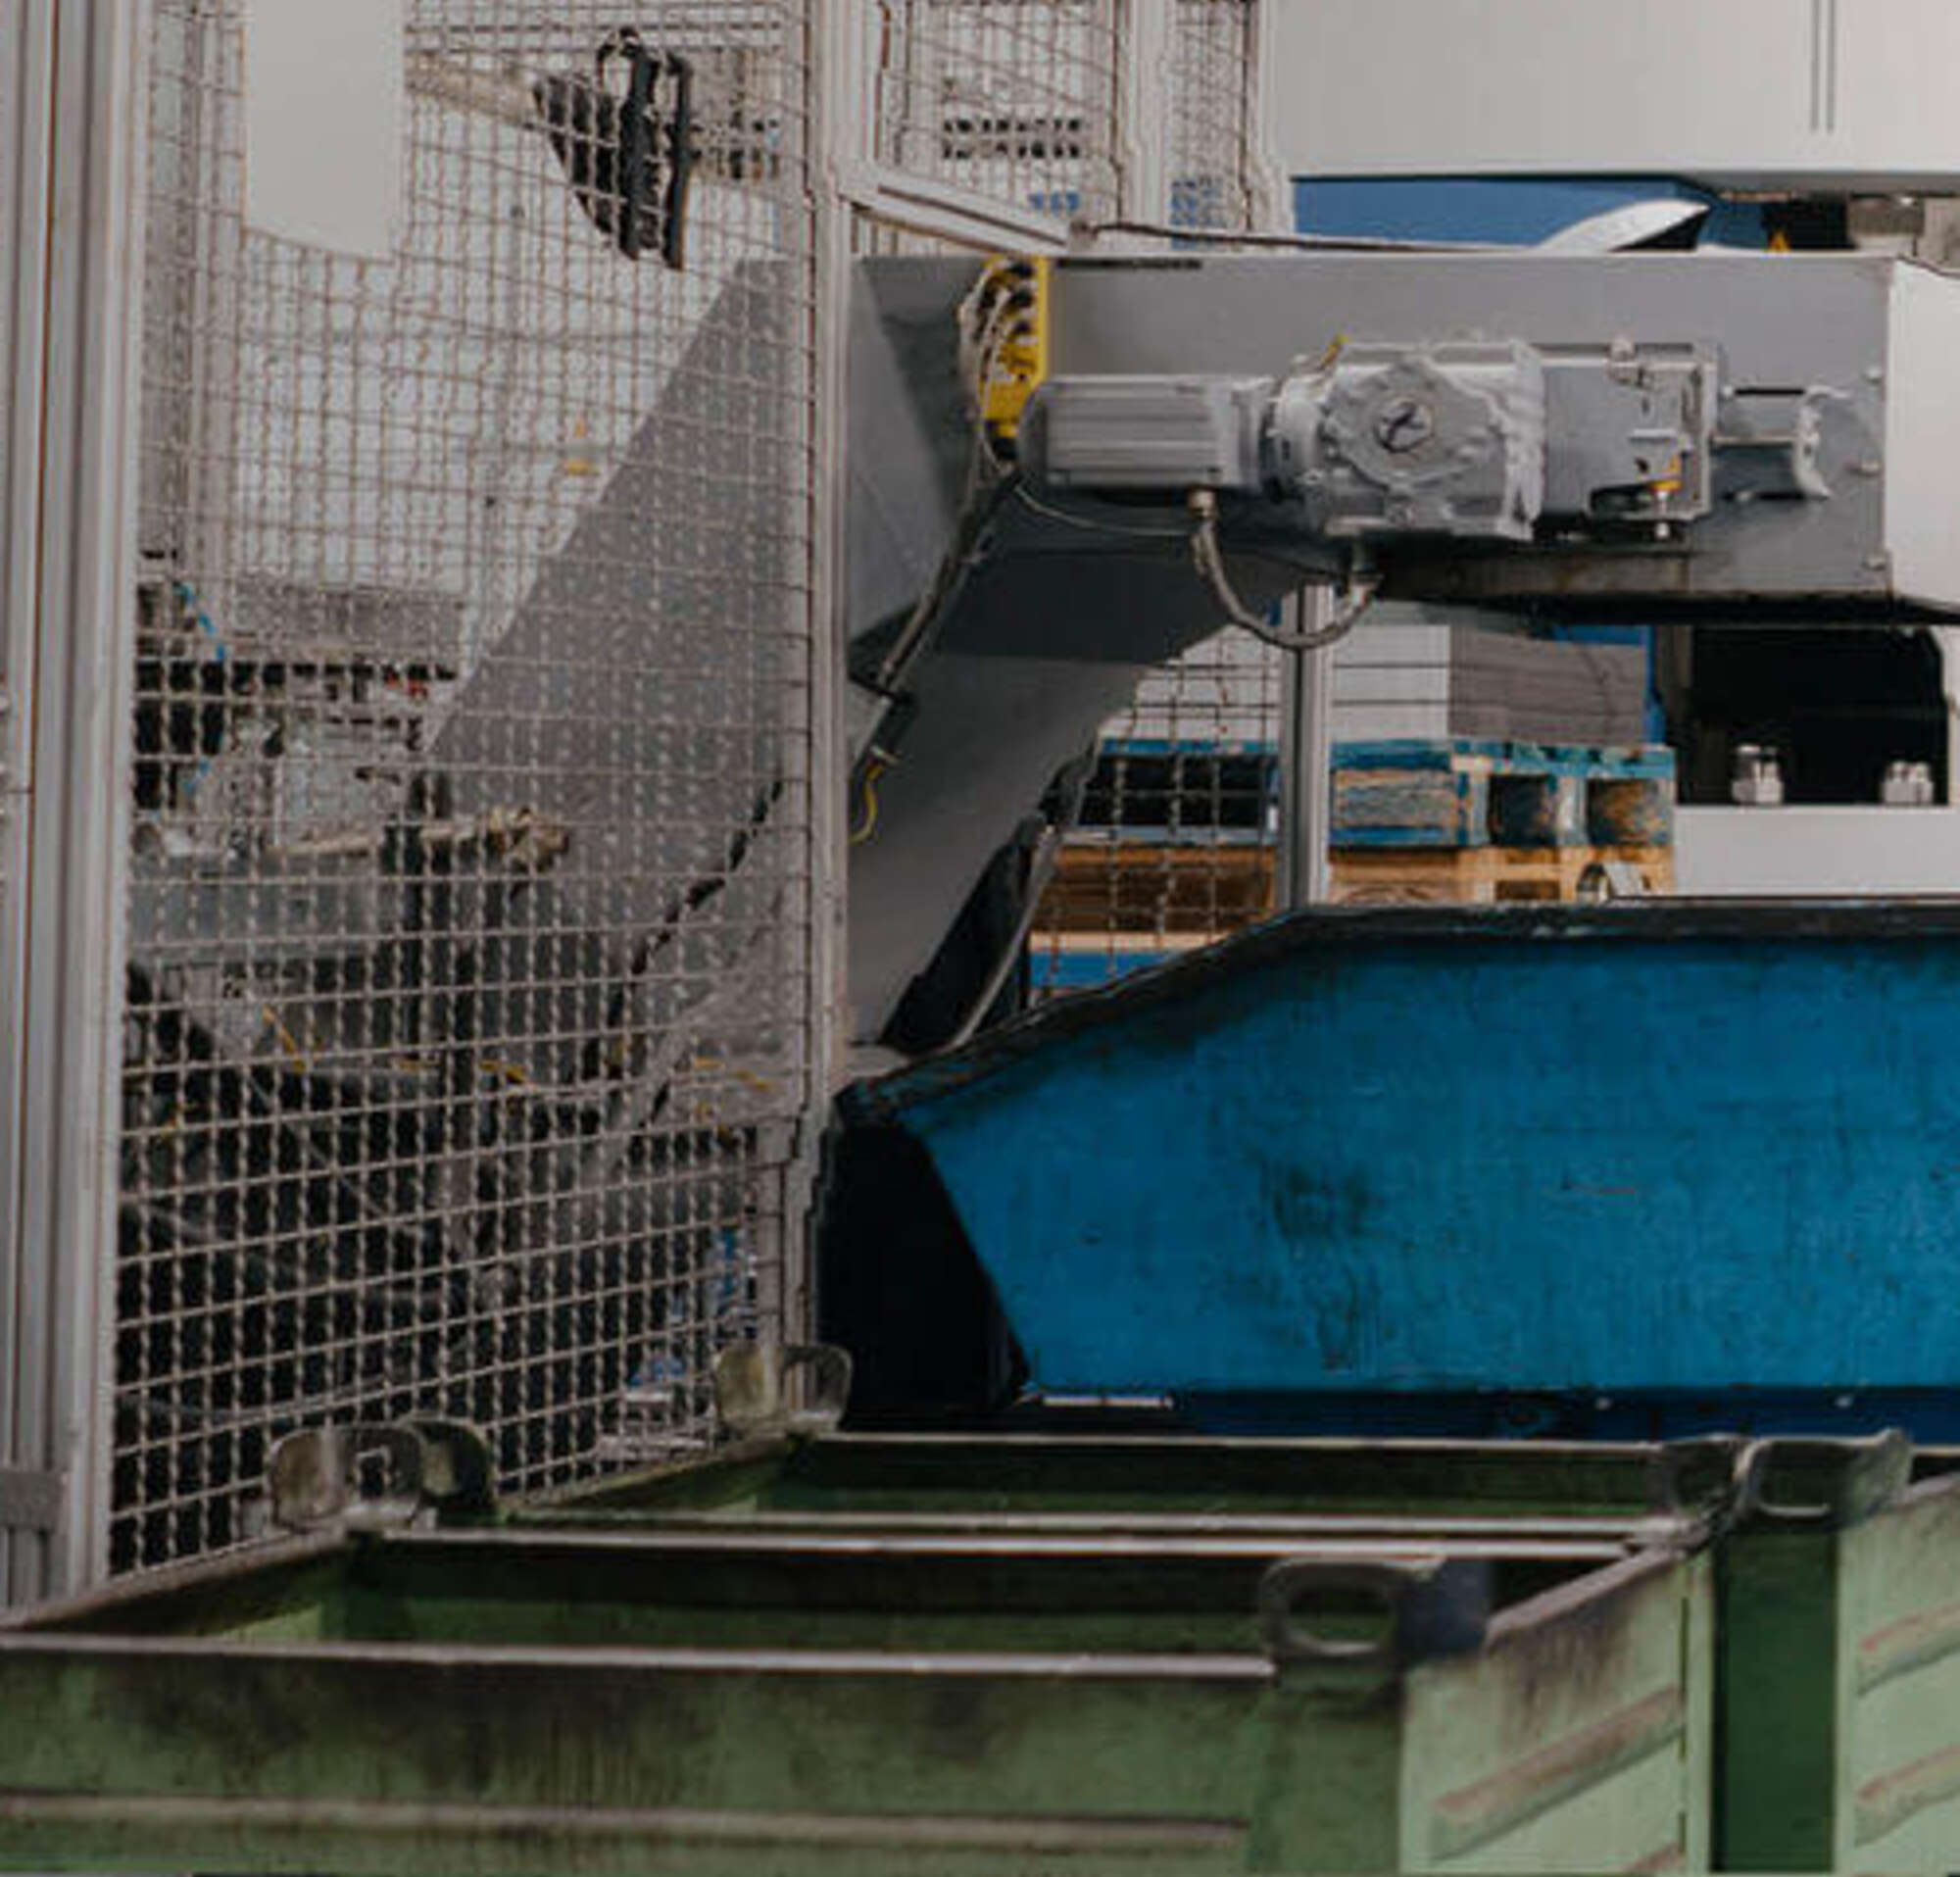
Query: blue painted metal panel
[[1571, 1151], [1520, 212], [1056, 972]]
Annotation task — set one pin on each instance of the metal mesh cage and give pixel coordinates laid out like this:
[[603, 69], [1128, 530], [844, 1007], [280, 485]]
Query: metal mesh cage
[[1213, 122], [1177, 842], [470, 1011], [1178, 839], [1015, 100]]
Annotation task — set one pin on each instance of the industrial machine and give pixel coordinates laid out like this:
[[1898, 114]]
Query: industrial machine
[[475, 1002], [1344, 1140], [1618, 436]]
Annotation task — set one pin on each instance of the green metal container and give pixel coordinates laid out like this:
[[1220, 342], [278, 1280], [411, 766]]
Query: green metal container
[[1838, 1735], [852, 1655], [1129, 1479]]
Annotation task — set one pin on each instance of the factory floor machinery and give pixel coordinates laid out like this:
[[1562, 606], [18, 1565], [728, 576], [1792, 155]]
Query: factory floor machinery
[[1675, 1177]]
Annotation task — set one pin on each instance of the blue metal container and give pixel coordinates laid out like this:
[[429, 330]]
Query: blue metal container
[[1604, 1169]]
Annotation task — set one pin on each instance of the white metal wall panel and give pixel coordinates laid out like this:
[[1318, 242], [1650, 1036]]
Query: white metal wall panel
[[1850, 94]]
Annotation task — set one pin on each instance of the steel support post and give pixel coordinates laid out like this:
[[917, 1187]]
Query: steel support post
[[73, 344], [1306, 757], [1145, 50]]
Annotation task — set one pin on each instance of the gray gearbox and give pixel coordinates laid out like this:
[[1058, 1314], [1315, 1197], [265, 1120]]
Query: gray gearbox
[[1444, 439]]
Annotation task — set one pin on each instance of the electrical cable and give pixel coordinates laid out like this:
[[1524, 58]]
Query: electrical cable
[[981, 338], [1300, 243], [876, 764], [1095, 525], [1041, 869], [1356, 598]]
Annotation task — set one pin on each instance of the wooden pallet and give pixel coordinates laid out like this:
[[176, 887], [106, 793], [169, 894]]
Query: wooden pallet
[[1172, 897], [1490, 875], [1131, 886], [1454, 793]]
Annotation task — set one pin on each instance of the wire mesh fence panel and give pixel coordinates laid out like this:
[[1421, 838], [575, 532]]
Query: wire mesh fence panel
[[1177, 840], [1015, 100], [1177, 843], [1213, 121], [468, 1017]]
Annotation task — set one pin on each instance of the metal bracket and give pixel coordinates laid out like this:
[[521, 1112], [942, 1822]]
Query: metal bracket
[[1433, 1609], [776, 1388], [30, 1501], [1784, 432], [371, 1476], [1821, 1482]]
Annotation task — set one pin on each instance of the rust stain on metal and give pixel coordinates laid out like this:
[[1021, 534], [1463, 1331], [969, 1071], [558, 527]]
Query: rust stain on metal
[[1491, 1807], [1887, 1802], [1913, 1641], [1667, 1856], [1578, 1641]]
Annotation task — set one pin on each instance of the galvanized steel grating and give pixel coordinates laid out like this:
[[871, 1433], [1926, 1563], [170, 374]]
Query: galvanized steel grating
[[469, 1007]]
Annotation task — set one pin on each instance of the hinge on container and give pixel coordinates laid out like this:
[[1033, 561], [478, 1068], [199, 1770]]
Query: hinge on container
[[781, 1388], [30, 1501], [368, 1475]]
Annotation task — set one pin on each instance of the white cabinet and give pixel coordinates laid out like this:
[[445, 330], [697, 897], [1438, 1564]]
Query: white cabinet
[[1897, 103], [1847, 95]]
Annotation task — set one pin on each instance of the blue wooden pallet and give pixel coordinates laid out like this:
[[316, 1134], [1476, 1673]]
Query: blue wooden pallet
[[1467, 792]]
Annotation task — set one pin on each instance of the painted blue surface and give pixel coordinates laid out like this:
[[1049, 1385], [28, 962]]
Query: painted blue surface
[[1056, 972], [1570, 1155], [1190, 746], [1473, 208], [1654, 763]]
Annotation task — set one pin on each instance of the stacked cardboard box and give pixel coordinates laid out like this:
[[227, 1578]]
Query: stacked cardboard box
[[1406, 672]]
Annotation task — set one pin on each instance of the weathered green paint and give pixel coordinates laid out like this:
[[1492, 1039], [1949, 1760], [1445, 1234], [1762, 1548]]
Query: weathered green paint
[[646, 1688], [1591, 1729], [1840, 1699], [1777, 1726], [1897, 1702], [994, 1473]]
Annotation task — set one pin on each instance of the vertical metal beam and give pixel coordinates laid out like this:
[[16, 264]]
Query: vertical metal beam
[[1146, 43], [1306, 733], [27, 56], [843, 84], [80, 617], [1267, 182], [1306, 757]]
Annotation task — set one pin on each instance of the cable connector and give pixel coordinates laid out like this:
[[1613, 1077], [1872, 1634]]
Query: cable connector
[[1358, 593]]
